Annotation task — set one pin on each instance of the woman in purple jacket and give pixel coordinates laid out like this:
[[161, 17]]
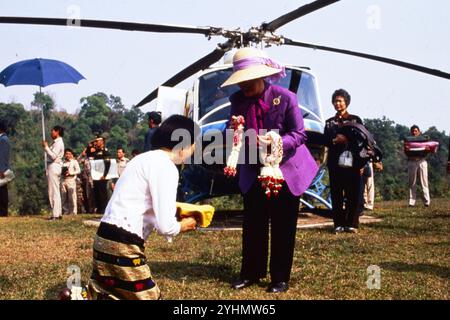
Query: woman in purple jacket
[[269, 107]]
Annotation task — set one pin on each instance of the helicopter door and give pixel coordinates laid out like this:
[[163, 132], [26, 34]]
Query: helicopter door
[[171, 101]]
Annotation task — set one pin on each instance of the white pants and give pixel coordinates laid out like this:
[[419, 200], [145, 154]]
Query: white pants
[[418, 167], [54, 195], [69, 195], [369, 190]]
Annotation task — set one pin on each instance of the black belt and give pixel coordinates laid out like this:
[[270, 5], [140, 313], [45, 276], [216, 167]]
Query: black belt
[[115, 233]]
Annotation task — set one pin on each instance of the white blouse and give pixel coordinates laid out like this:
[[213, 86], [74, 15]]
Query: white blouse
[[144, 197], [55, 151], [73, 168]]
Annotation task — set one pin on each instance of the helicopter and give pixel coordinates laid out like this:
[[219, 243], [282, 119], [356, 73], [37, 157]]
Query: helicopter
[[208, 104], [264, 34]]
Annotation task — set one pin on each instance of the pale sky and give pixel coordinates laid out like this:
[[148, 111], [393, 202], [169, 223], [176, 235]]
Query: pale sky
[[132, 64]]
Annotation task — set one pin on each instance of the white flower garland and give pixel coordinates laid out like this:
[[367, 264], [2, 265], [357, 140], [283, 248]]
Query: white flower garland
[[237, 124], [270, 177]]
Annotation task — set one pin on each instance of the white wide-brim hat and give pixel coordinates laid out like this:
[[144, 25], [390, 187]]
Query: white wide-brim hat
[[257, 66]]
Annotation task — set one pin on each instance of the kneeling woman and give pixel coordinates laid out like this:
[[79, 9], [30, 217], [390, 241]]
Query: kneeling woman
[[144, 199]]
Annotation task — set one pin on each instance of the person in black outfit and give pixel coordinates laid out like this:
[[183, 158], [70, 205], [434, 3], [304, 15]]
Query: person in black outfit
[[345, 182], [100, 186], [154, 120]]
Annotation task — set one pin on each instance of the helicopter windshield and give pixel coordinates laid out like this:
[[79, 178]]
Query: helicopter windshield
[[214, 100], [211, 95]]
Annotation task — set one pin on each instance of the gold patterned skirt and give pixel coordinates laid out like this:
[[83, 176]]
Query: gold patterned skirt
[[120, 269]]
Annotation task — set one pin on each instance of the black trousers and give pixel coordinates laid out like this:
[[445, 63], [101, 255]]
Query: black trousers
[[4, 201], [282, 212], [345, 185], [100, 195]]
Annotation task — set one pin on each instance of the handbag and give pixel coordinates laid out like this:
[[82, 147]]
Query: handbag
[[9, 176], [346, 159]]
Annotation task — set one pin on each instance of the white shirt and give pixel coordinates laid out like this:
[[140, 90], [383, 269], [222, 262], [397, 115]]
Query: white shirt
[[121, 164], [73, 168], [144, 197], [55, 151]]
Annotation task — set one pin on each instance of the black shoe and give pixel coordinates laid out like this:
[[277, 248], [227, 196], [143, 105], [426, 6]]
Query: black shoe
[[338, 230], [243, 283], [351, 230], [278, 287]]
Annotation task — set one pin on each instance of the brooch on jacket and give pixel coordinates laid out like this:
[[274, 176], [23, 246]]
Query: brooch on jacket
[[276, 101]]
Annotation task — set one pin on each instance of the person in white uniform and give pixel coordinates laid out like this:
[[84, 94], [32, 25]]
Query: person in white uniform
[[70, 170], [417, 166], [55, 154]]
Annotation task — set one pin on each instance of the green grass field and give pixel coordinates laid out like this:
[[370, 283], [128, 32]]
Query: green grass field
[[411, 247]]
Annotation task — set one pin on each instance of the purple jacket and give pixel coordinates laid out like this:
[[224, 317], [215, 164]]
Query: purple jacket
[[298, 166]]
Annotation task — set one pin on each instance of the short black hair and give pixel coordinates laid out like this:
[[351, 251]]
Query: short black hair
[[341, 93], [135, 152], [60, 130], [414, 126], [163, 136], [69, 150], [2, 126], [155, 116]]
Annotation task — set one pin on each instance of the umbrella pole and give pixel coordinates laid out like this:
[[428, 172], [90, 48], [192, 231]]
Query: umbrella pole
[[43, 131]]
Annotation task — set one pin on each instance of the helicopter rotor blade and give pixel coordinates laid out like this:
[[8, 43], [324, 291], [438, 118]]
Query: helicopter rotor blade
[[295, 14], [407, 65], [103, 24], [200, 64]]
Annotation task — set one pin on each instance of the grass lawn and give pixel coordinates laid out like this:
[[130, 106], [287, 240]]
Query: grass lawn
[[411, 247]]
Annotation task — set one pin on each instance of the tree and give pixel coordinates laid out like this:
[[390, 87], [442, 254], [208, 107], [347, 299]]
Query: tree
[[95, 112], [134, 115], [115, 103], [11, 114], [117, 138], [438, 162], [42, 100]]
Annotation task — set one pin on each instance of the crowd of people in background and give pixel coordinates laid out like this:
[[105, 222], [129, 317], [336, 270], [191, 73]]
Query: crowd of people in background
[[71, 187]]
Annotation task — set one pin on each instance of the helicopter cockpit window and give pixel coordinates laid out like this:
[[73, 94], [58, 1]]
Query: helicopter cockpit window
[[219, 114], [304, 85], [211, 95]]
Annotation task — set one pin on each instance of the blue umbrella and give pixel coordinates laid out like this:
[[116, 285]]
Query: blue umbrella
[[39, 72]]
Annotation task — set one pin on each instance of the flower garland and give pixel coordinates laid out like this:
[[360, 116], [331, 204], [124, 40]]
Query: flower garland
[[237, 124], [271, 177]]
